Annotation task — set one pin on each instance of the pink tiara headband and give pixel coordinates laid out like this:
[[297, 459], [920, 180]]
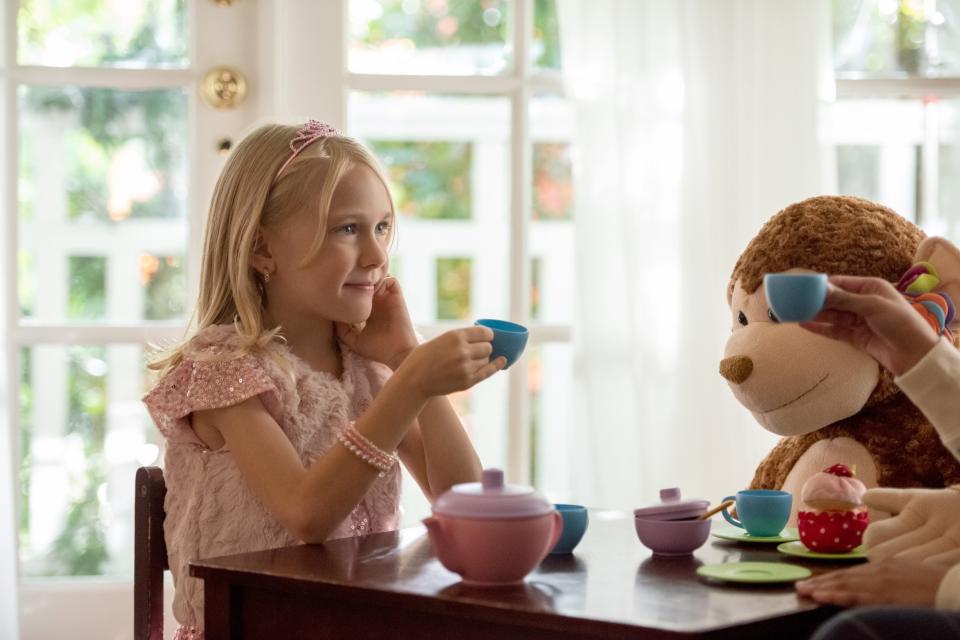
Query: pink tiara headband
[[307, 135]]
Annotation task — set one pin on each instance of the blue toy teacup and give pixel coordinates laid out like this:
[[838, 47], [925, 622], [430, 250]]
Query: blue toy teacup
[[574, 526], [795, 297], [509, 339], [763, 512]]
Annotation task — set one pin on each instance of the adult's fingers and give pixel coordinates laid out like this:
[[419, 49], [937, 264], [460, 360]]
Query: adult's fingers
[[862, 285], [881, 531], [949, 558], [885, 499], [854, 302], [894, 546], [935, 547]]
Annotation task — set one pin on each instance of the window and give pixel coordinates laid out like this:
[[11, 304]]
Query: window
[[100, 237], [463, 103], [894, 127]]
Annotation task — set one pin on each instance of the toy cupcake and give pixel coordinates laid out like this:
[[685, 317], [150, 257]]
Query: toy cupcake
[[836, 517]]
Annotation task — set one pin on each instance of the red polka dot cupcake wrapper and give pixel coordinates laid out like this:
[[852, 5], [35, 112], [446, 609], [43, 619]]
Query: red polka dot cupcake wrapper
[[832, 531]]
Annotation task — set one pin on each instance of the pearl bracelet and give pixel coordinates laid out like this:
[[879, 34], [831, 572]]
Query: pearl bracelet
[[360, 446]]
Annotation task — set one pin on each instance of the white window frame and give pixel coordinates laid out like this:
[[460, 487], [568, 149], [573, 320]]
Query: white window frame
[[520, 85], [232, 35], [853, 87]]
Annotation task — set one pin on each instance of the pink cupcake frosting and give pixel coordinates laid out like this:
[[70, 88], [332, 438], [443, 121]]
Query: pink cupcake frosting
[[834, 489]]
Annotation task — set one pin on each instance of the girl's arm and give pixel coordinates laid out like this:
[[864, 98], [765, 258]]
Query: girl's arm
[[311, 502], [437, 450]]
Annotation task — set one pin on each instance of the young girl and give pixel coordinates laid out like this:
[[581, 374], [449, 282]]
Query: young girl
[[915, 555], [287, 411]]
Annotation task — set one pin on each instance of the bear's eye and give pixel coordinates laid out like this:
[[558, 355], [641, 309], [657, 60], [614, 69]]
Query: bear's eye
[[742, 318], [772, 317]]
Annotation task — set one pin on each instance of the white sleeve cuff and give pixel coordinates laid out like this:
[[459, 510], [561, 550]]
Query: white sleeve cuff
[[948, 595], [933, 384]]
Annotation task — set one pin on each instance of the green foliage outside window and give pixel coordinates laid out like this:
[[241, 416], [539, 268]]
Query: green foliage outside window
[[150, 33], [453, 288], [552, 181], [439, 24], [428, 179], [165, 281], [151, 124], [464, 22], [88, 288]]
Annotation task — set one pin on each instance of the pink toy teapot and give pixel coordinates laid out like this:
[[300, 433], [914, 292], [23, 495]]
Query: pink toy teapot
[[492, 533]]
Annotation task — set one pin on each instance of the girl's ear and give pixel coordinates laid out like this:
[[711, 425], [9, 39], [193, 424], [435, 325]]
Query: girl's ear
[[945, 258], [260, 257]]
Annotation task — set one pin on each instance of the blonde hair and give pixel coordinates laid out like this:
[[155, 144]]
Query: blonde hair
[[247, 197]]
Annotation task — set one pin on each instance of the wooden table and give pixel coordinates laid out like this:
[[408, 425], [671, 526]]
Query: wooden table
[[390, 585]]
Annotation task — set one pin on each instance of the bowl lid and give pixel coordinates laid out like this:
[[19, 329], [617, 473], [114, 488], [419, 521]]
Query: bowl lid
[[491, 498], [672, 507]]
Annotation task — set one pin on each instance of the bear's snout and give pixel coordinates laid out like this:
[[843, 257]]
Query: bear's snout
[[736, 369]]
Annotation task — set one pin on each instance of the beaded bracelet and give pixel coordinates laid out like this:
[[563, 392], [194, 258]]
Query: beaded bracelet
[[360, 446]]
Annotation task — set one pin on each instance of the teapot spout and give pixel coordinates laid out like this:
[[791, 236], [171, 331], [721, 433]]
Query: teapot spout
[[442, 545]]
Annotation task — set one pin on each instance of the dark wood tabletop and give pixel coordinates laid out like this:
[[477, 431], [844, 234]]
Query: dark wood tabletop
[[390, 585]]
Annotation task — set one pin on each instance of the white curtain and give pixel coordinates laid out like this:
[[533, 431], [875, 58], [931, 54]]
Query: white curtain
[[696, 120]]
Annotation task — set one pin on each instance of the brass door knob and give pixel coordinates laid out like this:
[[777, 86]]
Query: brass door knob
[[224, 88]]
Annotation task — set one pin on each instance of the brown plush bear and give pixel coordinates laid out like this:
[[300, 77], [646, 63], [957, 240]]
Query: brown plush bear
[[832, 402]]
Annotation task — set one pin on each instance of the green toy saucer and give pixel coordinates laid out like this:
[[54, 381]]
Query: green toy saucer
[[739, 535], [754, 572], [799, 550]]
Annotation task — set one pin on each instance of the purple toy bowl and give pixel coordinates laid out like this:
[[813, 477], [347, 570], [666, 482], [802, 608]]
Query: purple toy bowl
[[672, 537], [670, 527]]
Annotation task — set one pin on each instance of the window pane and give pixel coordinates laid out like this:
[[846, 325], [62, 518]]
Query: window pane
[[102, 174], [88, 288], [949, 171], [876, 160], [84, 432], [553, 442], [447, 158], [102, 33], [546, 35], [165, 281], [453, 288], [551, 230], [915, 37], [429, 179], [447, 37]]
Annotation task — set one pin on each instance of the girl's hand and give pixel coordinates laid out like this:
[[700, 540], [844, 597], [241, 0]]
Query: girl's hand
[[896, 582], [453, 361], [870, 314], [387, 336]]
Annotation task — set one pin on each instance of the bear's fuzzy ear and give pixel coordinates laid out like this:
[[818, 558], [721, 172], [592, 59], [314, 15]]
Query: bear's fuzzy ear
[[945, 258]]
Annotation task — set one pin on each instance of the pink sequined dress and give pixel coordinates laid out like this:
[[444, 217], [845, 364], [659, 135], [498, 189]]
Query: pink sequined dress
[[210, 509]]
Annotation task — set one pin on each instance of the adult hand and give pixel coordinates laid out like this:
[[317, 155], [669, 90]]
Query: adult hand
[[387, 336], [870, 314], [925, 525], [891, 582]]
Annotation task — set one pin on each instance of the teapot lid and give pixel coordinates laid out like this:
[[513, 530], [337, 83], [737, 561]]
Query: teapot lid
[[491, 498], [671, 507]]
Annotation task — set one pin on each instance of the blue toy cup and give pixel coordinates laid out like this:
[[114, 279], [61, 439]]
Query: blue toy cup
[[763, 512], [795, 297], [574, 526], [509, 339]]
